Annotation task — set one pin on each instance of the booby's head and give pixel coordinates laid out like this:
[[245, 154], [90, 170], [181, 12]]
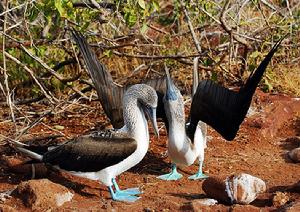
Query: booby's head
[[147, 99], [171, 93], [173, 102]]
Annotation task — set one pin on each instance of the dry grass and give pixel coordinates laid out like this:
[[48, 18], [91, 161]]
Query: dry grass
[[286, 79]]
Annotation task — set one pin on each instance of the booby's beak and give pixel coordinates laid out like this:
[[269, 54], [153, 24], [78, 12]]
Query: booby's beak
[[151, 114], [170, 92]]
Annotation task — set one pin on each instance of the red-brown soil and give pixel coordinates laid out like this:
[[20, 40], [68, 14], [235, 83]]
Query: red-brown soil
[[260, 149]]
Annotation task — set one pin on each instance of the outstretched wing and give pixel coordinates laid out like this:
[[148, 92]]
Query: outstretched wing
[[91, 152], [223, 109], [109, 93]]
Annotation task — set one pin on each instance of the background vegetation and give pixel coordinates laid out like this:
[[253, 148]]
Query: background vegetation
[[135, 38]]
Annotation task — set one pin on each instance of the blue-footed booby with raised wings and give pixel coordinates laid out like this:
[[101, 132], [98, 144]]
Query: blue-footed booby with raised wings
[[104, 155], [221, 108], [181, 149]]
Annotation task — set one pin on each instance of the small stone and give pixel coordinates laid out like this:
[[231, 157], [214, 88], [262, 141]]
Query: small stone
[[280, 199], [207, 201], [5, 195], [43, 194], [148, 210], [241, 188], [295, 155]]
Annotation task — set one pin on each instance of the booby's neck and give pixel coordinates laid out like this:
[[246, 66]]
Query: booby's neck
[[135, 120], [137, 128], [176, 119]]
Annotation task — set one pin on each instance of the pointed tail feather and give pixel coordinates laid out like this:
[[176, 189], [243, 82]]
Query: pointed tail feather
[[18, 143], [31, 154], [256, 75]]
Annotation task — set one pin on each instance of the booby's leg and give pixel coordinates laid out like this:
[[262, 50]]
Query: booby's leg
[[173, 175], [199, 174], [121, 197], [129, 191]]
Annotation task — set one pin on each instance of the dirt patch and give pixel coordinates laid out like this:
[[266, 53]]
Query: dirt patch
[[260, 149]]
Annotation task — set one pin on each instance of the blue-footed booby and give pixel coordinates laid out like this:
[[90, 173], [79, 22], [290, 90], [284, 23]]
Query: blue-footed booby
[[181, 149], [221, 108], [104, 155]]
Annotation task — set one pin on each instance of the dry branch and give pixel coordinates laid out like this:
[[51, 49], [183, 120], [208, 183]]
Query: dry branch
[[35, 122], [8, 97], [25, 101], [95, 5], [232, 35], [197, 43], [158, 57], [48, 96]]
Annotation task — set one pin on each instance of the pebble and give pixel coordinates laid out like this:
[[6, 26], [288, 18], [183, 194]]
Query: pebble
[[280, 199]]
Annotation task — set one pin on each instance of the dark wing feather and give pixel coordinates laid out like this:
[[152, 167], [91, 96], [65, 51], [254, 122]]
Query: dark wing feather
[[90, 153], [223, 109], [110, 94]]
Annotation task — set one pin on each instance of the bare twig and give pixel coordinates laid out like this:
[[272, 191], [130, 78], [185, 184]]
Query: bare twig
[[197, 44], [272, 7], [8, 97], [16, 7], [157, 29], [41, 138], [48, 96], [158, 57], [95, 5], [38, 120], [210, 15], [25, 101], [229, 30]]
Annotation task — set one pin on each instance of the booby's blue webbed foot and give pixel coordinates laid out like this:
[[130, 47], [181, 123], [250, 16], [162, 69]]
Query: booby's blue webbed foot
[[170, 176], [129, 191], [173, 175], [198, 176], [117, 196]]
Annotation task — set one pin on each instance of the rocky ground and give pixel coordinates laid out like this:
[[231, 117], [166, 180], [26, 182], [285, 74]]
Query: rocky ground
[[261, 149]]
